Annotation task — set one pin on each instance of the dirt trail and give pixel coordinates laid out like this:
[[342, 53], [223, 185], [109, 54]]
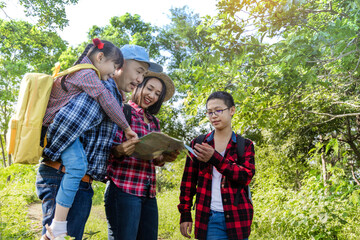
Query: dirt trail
[[35, 216]]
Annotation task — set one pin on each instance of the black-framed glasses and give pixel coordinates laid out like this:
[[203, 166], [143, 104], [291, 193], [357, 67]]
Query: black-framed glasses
[[216, 112]]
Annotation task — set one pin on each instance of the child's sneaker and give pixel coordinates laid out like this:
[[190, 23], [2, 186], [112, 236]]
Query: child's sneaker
[[60, 237], [44, 237]]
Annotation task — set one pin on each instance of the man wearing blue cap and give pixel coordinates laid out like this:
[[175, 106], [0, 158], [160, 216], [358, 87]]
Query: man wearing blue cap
[[135, 66], [98, 132]]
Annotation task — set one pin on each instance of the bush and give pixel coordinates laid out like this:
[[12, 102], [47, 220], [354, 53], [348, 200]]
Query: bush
[[99, 190], [309, 213], [17, 190]]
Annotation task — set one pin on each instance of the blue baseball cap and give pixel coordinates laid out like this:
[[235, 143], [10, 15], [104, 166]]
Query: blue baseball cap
[[139, 53]]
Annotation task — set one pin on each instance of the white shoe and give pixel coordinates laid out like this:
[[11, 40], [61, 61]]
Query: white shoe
[[44, 237], [60, 237]]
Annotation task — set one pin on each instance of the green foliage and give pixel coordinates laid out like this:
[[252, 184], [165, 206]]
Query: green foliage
[[304, 214], [169, 176], [303, 209], [292, 68], [128, 29], [169, 217], [49, 14], [23, 48], [96, 226], [99, 190], [17, 190], [181, 38]]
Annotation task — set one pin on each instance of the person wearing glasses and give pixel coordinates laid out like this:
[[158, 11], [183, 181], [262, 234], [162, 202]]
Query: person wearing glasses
[[215, 174]]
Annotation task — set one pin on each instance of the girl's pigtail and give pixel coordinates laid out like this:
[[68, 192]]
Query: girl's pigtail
[[85, 52]]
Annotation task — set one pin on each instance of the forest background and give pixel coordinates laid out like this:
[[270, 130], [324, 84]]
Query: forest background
[[293, 69]]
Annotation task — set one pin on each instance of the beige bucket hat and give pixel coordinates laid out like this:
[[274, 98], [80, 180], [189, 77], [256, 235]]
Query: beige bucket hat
[[170, 87]]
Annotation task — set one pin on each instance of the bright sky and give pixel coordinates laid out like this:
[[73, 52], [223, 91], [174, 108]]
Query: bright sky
[[98, 12]]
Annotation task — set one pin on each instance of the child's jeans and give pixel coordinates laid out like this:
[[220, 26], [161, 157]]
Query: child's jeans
[[75, 162]]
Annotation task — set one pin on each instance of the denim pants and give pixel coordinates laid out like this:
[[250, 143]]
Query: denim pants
[[130, 217], [48, 182], [75, 162], [217, 227]]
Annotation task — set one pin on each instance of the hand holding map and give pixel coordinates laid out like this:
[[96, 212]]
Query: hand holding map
[[154, 144]]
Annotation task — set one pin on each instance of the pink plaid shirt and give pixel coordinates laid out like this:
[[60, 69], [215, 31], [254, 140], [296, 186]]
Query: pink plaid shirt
[[85, 80], [133, 175]]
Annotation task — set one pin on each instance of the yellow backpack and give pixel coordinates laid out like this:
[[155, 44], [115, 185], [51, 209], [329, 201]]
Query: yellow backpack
[[25, 125]]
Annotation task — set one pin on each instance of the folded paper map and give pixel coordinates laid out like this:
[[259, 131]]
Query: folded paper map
[[154, 144]]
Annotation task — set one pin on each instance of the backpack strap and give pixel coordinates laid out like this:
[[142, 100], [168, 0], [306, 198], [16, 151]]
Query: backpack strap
[[155, 121], [200, 138], [240, 148], [78, 67], [73, 69], [127, 112]]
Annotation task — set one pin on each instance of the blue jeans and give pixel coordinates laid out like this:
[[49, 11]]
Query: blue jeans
[[75, 162], [217, 227], [47, 185], [130, 217]]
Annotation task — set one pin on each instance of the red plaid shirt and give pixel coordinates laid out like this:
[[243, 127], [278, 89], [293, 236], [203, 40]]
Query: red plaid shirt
[[85, 80], [133, 175], [197, 180]]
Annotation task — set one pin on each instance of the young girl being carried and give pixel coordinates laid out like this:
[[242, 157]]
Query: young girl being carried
[[107, 58]]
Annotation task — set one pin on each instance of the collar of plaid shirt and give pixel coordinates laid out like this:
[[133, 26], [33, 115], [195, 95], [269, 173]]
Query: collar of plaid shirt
[[211, 137], [140, 111]]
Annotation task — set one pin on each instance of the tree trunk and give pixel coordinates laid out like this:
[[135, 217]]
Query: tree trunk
[[3, 151], [350, 140], [324, 170], [353, 174], [355, 149], [323, 164], [9, 158]]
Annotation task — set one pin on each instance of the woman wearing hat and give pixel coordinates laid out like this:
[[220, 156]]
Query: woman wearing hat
[[130, 202]]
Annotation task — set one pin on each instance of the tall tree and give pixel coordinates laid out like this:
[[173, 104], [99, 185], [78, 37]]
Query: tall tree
[[50, 14], [128, 29], [293, 66], [23, 48]]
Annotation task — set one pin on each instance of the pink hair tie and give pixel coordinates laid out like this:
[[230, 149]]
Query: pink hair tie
[[97, 42]]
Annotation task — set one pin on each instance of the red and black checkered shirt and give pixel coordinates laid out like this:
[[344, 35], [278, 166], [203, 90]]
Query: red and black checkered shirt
[[133, 175], [236, 175]]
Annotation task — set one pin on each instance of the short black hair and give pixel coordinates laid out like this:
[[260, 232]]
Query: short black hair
[[225, 96], [155, 108]]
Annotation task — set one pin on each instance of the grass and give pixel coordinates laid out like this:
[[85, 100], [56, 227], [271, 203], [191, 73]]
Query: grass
[[96, 226], [169, 216], [20, 209]]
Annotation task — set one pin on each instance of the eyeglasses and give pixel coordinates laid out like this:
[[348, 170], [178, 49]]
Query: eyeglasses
[[216, 112]]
